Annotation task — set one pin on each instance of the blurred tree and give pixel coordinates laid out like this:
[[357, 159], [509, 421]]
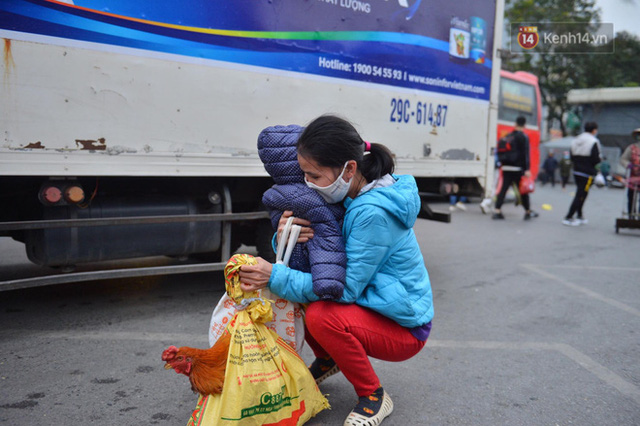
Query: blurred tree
[[620, 69], [557, 72]]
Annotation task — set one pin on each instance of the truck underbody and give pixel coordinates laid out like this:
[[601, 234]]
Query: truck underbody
[[202, 219]]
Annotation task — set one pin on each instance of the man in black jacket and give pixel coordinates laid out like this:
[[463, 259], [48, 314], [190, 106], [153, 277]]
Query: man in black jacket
[[585, 155], [513, 170]]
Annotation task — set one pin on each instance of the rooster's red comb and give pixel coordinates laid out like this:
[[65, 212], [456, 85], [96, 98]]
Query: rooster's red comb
[[169, 353]]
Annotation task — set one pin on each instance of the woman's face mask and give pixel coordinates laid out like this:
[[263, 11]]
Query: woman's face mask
[[334, 192]]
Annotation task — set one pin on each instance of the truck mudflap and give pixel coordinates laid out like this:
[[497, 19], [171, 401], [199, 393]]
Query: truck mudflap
[[427, 213]]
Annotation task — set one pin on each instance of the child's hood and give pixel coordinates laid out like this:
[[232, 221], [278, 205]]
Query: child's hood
[[278, 152]]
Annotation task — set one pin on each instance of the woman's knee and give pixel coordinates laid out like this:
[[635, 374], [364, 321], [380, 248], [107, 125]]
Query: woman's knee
[[319, 314]]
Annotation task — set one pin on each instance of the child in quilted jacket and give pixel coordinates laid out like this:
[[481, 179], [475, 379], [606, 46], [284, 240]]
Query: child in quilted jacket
[[324, 255], [386, 308]]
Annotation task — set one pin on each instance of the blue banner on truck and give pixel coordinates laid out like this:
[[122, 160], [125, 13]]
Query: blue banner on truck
[[442, 47]]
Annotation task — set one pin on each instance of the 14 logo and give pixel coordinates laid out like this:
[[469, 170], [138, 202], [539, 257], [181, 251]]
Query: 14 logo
[[528, 37]]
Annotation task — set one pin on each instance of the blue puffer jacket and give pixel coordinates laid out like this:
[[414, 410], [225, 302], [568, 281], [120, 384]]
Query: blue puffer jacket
[[385, 268], [324, 255]]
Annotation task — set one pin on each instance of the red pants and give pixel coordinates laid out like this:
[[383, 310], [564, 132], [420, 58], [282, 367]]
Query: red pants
[[351, 333]]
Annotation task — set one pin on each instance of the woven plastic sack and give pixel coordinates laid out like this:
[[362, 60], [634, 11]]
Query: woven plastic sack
[[287, 322], [266, 381]]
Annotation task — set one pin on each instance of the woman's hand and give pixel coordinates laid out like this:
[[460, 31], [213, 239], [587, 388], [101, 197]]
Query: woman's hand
[[306, 233], [255, 277]]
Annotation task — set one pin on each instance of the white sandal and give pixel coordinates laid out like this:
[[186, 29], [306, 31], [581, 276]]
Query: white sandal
[[355, 419]]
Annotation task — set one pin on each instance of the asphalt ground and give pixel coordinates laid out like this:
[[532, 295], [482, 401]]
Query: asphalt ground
[[536, 324]]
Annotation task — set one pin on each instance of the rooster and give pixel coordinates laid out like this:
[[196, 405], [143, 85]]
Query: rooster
[[205, 368]]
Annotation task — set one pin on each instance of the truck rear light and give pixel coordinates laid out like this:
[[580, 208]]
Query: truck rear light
[[61, 192], [74, 194], [51, 194]]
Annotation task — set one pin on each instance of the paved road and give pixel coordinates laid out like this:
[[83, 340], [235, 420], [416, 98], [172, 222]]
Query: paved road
[[536, 324]]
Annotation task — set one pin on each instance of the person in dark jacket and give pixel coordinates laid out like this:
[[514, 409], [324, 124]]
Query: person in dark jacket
[[585, 155], [324, 255], [550, 165], [513, 172]]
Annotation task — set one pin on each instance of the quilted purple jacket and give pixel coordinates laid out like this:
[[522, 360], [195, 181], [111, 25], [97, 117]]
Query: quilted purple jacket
[[324, 255]]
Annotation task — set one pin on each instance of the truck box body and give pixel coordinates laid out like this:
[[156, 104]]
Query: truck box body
[[158, 91]]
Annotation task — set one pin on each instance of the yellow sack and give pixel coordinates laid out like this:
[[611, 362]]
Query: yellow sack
[[266, 382]]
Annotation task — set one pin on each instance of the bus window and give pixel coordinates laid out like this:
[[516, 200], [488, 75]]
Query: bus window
[[517, 98]]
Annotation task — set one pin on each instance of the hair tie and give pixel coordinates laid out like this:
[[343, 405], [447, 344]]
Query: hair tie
[[367, 146]]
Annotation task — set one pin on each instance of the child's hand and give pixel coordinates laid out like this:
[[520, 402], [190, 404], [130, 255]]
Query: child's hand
[[306, 233]]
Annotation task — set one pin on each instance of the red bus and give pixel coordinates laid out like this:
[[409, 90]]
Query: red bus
[[520, 95]]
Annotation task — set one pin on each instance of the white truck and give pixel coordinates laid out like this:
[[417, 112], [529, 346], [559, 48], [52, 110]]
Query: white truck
[[129, 129]]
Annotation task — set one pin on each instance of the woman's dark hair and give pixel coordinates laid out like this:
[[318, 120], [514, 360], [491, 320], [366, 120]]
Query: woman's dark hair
[[331, 141]]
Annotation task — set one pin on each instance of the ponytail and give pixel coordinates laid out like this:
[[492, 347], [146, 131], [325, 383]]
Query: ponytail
[[331, 141], [377, 163]]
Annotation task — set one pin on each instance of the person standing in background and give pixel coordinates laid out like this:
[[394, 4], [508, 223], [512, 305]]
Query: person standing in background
[[550, 165], [630, 159], [585, 155], [565, 168], [605, 169]]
